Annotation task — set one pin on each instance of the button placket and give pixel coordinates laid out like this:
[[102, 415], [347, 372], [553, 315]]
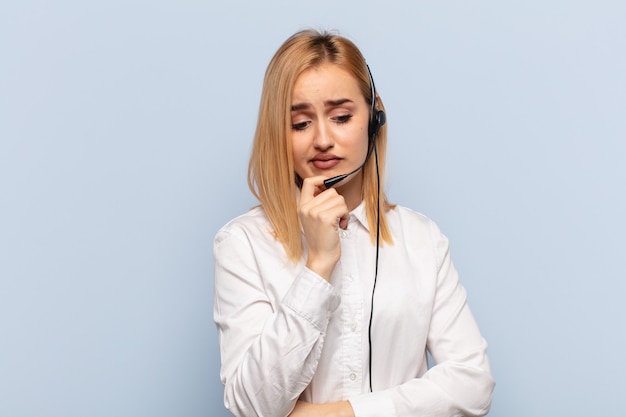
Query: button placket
[[353, 326], [352, 311]]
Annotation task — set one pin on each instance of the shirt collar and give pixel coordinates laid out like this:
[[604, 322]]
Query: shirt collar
[[360, 215]]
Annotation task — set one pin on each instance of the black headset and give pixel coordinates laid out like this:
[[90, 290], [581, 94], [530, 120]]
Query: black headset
[[377, 121], [378, 117]]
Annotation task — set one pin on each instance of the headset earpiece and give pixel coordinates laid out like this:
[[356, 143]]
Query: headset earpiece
[[378, 117], [378, 120]]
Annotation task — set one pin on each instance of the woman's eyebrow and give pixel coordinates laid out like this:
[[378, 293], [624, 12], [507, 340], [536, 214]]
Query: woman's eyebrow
[[327, 103], [338, 102], [300, 106]]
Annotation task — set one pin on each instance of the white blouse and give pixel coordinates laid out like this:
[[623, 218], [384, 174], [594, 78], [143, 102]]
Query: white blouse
[[286, 334]]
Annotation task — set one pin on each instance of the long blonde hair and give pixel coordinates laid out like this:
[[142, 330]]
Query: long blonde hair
[[271, 174]]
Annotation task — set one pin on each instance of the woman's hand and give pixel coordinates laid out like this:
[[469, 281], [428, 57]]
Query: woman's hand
[[339, 409], [321, 211]]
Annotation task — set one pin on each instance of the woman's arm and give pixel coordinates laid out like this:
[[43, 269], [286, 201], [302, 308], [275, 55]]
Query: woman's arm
[[338, 409], [460, 384], [269, 349]]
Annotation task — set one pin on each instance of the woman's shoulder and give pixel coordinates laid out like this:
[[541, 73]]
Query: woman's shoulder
[[254, 222], [415, 233], [407, 215], [410, 222]]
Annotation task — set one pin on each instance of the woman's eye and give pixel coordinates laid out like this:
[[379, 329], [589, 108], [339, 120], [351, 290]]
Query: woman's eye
[[342, 119], [300, 126]]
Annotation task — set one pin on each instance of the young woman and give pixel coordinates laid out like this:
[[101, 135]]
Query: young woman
[[327, 297]]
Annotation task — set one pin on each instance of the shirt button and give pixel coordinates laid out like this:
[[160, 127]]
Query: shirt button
[[344, 234], [353, 326], [350, 278], [352, 376]]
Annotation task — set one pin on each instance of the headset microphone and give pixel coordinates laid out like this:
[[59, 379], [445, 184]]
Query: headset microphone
[[377, 120], [330, 182]]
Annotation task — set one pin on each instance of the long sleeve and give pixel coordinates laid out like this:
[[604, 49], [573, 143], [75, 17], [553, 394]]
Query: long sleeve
[[271, 335], [460, 383]]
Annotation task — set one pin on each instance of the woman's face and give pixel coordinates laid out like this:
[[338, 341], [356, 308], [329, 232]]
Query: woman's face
[[329, 118]]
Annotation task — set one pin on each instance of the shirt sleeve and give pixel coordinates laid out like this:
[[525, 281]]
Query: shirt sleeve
[[269, 349], [460, 382]]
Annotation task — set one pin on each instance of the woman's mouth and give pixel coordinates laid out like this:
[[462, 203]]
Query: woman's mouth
[[325, 161]]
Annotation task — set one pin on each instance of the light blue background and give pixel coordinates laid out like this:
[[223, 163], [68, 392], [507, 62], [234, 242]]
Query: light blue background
[[125, 128]]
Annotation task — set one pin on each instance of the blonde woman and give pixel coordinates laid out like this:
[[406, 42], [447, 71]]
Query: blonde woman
[[327, 297]]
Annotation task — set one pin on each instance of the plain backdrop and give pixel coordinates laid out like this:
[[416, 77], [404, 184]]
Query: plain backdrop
[[125, 129]]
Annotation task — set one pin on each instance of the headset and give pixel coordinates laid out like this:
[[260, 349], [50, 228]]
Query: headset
[[378, 117], [377, 120]]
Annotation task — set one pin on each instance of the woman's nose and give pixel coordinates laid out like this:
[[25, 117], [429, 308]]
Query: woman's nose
[[323, 137]]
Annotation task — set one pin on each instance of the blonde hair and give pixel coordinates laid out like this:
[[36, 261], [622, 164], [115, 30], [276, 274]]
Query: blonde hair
[[271, 174]]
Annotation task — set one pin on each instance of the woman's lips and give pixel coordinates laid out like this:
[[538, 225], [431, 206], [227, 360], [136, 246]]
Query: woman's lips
[[325, 161]]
